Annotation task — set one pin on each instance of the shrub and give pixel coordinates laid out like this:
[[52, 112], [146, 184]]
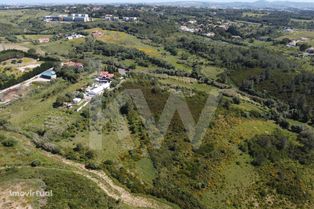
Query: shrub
[[92, 166], [283, 123], [35, 163], [90, 154], [78, 148], [9, 142], [3, 122], [236, 100], [72, 155], [108, 162], [267, 148], [297, 128], [47, 146]]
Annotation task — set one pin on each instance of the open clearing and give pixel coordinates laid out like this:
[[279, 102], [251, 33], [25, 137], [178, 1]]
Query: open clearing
[[6, 46], [16, 67], [298, 34], [126, 40]]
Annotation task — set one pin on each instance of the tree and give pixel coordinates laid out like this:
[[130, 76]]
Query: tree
[[114, 83], [196, 72], [172, 50], [236, 100], [304, 46], [32, 51], [3, 122], [59, 101], [233, 30], [283, 123], [124, 110], [285, 41]]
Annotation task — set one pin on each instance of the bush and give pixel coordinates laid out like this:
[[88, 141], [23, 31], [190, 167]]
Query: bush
[[114, 83], [9, 142], [283, 123], [35, 163], [267, 148], [61, 100], [78, 148], [47, 146], [304, 46], [236, 100], [90, 154], [108, 162], [72, 155], [92, 166], [297, 128], [3, 122]]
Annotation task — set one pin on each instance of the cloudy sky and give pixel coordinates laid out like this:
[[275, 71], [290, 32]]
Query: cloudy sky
[[119, 1]]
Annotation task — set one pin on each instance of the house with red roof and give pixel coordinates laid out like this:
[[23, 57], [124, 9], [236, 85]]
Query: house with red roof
[[104, 76]]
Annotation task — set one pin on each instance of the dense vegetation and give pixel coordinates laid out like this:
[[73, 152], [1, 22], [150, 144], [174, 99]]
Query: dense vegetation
[[68, 188]]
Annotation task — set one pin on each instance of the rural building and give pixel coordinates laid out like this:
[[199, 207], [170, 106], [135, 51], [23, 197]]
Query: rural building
[[77, 65], [289, 30], [293, 43], [106, 75], [68, 18], [74, 36], [97, 89], [49, 74], [43, 40], [51, 18], [224, 26], [210, 34], [310, 51], [187, 29], [111, 18], [129, 19], [77, 100]]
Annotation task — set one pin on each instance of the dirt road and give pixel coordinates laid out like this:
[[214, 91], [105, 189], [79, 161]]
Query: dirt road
[[110, 187]]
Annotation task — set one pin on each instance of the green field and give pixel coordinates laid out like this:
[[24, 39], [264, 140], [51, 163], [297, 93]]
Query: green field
[[16, 67], [298, 34], [126, 40]]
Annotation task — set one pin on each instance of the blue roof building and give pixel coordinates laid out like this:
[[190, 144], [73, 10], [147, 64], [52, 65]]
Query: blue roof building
[[49, 74]]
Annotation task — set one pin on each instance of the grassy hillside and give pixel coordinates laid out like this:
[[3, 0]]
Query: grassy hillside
[[24, 169]]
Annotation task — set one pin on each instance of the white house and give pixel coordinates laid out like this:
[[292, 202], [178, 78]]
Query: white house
[[74, 36], [98, 89]]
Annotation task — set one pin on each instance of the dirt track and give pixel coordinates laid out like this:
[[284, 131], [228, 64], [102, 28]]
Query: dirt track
[[110, 187]]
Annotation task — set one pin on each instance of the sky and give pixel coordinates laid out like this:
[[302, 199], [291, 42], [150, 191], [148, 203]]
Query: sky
[[120, 1]]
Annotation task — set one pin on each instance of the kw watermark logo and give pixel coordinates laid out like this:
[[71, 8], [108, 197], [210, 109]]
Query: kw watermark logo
[[156, 129], [31, 193]]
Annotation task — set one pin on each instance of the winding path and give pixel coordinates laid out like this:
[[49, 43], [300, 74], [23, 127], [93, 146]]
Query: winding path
[[110, 187]]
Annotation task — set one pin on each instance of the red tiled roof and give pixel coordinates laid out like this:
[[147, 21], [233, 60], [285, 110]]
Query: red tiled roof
[[106, 74]]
